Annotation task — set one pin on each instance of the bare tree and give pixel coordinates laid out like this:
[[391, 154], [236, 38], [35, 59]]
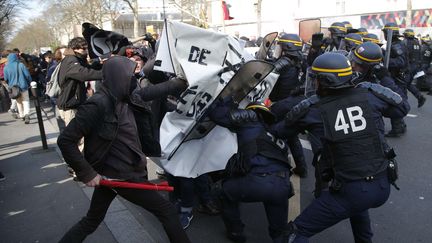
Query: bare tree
[[195, 9], [8, 10], [133, 5]]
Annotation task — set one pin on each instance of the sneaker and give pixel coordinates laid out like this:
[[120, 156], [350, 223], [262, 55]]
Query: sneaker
[[236, 236], [2, 177], [26, 119], [421, 100], [185, 219], [209, 208]]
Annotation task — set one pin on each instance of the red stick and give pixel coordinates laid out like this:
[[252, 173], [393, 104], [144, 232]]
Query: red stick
[[143, 186]]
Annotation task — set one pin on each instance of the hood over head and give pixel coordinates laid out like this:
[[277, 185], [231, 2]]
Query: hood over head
[[12, 57], [118, 76]]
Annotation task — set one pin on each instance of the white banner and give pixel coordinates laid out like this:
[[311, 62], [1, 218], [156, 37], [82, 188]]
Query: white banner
[[207, 60]]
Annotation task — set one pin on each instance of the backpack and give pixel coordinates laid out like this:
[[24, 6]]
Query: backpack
[[52, 87]]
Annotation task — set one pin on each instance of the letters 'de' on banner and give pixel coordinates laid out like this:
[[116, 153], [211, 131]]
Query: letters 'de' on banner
[[207, 60]]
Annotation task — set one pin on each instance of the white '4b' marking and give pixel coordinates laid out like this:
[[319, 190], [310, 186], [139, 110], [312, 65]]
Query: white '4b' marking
[[355, 113]]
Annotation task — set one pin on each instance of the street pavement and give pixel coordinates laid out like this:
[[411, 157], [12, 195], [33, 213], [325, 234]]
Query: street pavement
[[39, 202]]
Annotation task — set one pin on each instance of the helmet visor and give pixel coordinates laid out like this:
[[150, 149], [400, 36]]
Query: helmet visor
[[310, 83]]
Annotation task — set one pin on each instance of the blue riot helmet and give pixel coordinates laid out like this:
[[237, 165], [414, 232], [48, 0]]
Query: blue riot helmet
[[391, 27], [330, 71], [367, 54], [338, 29], [348, 26], [362, 31], [372, 38], [409, 33], [262, 110], [290, 45], [352, 40]]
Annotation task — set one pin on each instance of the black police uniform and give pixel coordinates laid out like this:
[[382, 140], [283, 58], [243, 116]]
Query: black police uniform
[[350, 124], [414, 58], [328, 44], [425, 63], [287, 83], [266, 181], [398, 67]]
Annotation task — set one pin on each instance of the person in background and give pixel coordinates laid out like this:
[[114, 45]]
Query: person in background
[[15, 73]]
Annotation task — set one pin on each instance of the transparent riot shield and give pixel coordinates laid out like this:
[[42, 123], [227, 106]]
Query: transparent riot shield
[[243, 82], [266, 45]]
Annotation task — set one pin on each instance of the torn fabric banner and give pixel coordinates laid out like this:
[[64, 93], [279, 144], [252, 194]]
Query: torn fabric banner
[[192, 145]]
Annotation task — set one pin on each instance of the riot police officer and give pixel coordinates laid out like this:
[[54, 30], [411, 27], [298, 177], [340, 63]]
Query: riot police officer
[[332, 43], [259, 172], [426, 59], [399, 70], [366, 61], [414, 58], [353, 143], [351, 41], [290, 46]]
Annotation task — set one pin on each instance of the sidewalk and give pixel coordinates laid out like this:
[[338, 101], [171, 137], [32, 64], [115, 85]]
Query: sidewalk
[[39, 202]]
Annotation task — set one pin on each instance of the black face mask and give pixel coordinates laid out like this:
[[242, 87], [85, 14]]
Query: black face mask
[[81, 56]]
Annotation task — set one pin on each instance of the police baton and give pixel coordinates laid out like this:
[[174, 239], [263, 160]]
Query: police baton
[[35, 93]]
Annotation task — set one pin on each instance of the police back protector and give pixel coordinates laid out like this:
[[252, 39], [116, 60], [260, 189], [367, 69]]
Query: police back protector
[[351, 137]]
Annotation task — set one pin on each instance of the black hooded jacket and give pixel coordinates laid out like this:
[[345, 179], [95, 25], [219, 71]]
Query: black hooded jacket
[[98, 122], [74, 71]]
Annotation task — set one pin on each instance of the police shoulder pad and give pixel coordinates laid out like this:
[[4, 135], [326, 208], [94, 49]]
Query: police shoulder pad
[[239, 116], [300, 110], [382, 92]]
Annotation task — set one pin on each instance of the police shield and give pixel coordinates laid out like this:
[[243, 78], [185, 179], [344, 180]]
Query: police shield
[[308, 27], [310, 83], [266, 45], [243, 82]]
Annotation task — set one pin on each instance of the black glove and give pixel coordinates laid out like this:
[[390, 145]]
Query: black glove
[[380, 71], [317, 40], [282, 64], [148, 37]]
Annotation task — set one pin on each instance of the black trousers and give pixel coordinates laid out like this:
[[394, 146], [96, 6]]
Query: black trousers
[[149, 200]]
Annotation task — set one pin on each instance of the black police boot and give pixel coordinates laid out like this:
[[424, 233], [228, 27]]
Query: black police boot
[[421, 100]]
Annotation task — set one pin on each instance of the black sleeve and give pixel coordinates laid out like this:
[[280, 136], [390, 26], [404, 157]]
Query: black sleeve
[[85, 121], [81, 73], [172, 87]]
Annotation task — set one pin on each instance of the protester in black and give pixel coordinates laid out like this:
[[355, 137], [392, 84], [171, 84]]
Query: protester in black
[[113, 149]]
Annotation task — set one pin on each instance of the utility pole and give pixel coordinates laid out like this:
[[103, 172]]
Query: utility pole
[[408, 14]]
